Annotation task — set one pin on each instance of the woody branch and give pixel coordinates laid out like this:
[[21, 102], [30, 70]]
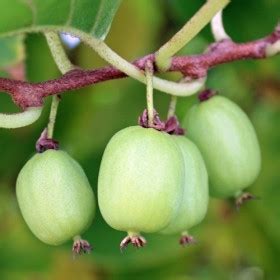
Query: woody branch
[[26, 94]]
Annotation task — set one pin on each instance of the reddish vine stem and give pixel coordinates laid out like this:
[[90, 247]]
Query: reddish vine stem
[[26, 94]]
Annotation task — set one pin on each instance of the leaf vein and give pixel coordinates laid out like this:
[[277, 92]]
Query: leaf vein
[[71, 12], [100, 8], [30, 4]]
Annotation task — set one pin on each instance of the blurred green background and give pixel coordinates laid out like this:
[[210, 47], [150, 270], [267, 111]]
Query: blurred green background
[[240, 245]]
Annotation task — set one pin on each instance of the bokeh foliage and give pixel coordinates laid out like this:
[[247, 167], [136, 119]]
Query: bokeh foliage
[[232, 245]]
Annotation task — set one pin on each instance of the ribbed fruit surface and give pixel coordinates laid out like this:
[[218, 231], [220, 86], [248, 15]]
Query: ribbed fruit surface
[[194, 204], [140, 180]]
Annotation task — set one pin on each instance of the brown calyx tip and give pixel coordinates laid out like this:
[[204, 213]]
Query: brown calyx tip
[[187, 240], [143, 121], [244, 197], [137, 241], [81, 246], [44, 143], [171, 125], [206, 94]]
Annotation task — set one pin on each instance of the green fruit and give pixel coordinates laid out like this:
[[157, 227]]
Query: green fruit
[[228, 143], [193, 206], [140, 180], [55, 197]]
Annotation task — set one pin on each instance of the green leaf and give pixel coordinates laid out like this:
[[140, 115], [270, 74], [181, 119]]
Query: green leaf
[[11, 50], [91, 16]]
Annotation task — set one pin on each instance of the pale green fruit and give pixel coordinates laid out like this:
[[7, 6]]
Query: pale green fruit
[[140, 180], [194, 204], [228, 143], [55, 197]]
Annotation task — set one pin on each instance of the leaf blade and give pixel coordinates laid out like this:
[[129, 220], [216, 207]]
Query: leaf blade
[[91, 16]]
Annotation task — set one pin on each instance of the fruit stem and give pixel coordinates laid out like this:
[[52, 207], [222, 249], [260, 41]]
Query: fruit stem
[[52, 118], [172, 106], [149, 94], [64, 65]]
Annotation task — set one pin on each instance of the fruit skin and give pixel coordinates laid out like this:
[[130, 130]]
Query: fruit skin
[[228, 143], [140, 180], [194, 204], [55, 197]]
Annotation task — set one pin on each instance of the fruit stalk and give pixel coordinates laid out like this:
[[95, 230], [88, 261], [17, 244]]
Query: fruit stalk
[[64, 65], [172, 106], [52, 117], [149, 94]]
